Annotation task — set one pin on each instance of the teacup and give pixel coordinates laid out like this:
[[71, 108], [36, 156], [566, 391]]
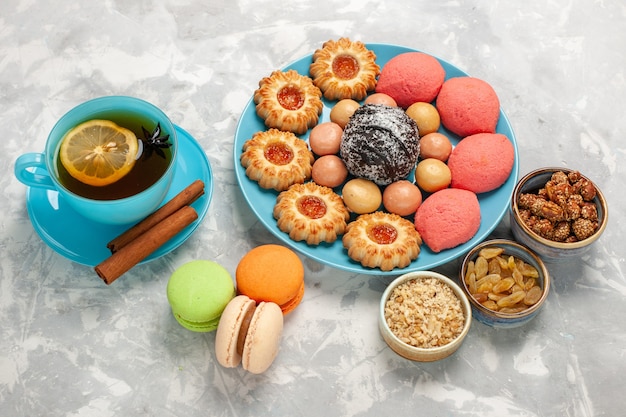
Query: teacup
[[43, 170]]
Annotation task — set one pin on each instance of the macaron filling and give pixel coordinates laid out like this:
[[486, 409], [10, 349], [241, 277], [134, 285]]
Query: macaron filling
[[243, 330], [262, 338], [248, 334]]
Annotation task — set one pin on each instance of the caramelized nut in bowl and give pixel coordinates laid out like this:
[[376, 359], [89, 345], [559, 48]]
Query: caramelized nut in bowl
[[557, 212], [506, 283], [424, 316]]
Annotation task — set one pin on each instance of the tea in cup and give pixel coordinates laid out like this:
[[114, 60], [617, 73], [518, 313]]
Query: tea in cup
[[111, 158]]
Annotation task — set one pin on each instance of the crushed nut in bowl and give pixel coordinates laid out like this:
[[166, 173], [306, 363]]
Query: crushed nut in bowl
[[424, 316]]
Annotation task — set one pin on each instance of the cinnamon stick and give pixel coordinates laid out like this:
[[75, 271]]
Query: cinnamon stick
[[184, 198], [140, 248]]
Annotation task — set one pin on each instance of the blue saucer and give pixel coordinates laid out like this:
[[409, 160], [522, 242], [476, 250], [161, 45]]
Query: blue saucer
[[85, 242]]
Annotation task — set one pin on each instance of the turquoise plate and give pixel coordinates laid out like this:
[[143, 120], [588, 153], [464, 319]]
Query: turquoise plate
[[85, 242], [493, 205]]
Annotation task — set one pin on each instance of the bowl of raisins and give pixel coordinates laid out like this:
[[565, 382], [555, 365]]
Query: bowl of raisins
[[557, 212], [505, 282]]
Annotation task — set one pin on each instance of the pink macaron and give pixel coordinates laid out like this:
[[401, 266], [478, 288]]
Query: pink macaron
[[249, 334]]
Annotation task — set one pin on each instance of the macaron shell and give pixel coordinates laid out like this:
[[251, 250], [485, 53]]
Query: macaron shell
[[198, 292], [205, 326], [289, 306], [263, 339], [228, 331], [271, 273]]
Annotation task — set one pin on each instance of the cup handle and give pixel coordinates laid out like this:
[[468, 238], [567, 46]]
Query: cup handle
[[30, 169]]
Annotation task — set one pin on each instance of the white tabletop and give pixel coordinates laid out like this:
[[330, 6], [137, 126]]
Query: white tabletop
[[72, 346]]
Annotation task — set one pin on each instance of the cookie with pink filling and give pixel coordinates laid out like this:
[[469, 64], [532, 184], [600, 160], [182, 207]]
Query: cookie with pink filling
[[411, 77], [448, 218], [481, 162], [468, 105]]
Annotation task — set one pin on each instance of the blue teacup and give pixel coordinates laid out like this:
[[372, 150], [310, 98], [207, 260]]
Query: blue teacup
[[41, 169]]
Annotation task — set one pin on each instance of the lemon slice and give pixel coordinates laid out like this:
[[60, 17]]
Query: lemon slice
[[98, 152]]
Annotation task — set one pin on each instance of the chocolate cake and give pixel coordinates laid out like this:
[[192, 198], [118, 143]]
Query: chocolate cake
[[380, 143]]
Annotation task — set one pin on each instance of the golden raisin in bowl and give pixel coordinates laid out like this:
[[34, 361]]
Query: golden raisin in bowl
[[506, 283]]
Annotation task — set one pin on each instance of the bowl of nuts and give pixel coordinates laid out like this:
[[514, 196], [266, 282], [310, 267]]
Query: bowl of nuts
[[506, 283], [424, 316], [557, 212]]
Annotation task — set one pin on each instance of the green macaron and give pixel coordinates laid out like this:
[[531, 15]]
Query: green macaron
[[198, 292]]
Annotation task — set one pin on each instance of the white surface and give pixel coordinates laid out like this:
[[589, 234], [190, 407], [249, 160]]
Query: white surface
[[71, 346]]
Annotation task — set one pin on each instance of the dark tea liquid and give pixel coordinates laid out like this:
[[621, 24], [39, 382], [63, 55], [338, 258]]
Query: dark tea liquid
[[145, 172]]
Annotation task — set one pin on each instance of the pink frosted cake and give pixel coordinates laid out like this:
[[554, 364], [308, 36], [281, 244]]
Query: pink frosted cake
[[467, 106], [481, 162], [448, 218], [411, 77]]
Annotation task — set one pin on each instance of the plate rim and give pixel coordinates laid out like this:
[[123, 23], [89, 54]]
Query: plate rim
[[351, 265]]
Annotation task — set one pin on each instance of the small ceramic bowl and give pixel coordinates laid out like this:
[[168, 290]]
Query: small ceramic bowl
[[425, 354], [549, 249], [496, 318]]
